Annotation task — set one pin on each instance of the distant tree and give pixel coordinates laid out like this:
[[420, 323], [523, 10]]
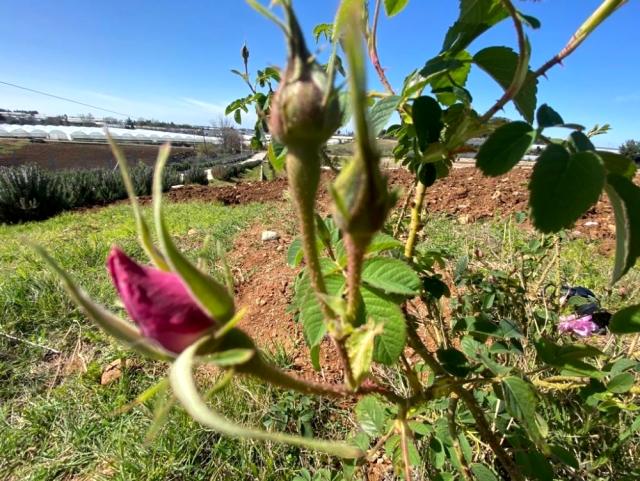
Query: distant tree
[[631, 149], [129, 123], [231, 138]]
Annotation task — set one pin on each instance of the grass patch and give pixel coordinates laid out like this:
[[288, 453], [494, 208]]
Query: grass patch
[[58, 422]]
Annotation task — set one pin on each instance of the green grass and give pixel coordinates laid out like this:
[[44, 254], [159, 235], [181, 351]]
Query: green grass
[[385, 147], [58, 422]]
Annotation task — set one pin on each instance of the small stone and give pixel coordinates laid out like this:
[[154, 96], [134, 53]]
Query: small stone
[[591, 223], [112, 372], [192, 232], [176, 187], [280, 248], [464, 219], [270, 235]]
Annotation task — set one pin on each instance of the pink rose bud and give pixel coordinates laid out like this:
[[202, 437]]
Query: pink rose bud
[[158, 302]]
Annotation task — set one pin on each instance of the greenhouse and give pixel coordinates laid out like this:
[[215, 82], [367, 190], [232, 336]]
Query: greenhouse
[[96, 134]]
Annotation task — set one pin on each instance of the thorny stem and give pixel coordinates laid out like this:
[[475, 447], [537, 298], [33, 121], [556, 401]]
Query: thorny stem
[[520, 75], [453, 432], [355, 256], [374, 450], [606, 8], [404, 445], [414, 227], [262, 369], [403, 211], [304, 179], [373, 49], [303, 182], [481, 422]]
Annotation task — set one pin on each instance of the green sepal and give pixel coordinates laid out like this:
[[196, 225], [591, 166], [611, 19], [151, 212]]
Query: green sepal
[[212, 296], [186, 391]]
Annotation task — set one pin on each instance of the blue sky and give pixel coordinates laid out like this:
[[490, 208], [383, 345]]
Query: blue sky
[[171, 60]]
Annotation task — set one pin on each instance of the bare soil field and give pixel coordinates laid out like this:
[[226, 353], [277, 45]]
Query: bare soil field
[[70, 155], [465, 194]]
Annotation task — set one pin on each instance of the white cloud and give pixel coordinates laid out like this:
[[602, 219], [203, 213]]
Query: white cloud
[[176, 109], [206, 106]]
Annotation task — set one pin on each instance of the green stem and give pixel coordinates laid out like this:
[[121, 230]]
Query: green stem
[[355, 256], [603, 12], [414, 227], [303, 169], [186, 391], [522, 68], [404, 445]]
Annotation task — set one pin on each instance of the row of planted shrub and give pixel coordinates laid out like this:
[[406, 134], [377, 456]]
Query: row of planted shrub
[[30, 193]]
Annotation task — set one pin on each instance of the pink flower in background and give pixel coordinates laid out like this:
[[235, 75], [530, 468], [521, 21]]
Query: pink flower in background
[[581, 326], [158, 302]]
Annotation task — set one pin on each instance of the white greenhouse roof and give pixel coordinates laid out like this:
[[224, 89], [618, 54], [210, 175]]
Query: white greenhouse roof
[[71, 133]]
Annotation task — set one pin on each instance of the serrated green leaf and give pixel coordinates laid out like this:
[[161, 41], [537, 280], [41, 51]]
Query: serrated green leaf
[[435, 287], [381, 112], [372, 416], [311, 316], [625, 199], [360, 349], [476, 17], [383, 242], [382, 308], [521, 402], [276, 159], [394, 7], [505, 148], [529, 20], [568, 358], [617, 164], [482, 473], [295, 254], [212, 296], [563, 187], [547, 117], [314, 354], [622, 365], [437, 452], [449, 87], [620, 383], [501, 64], [391, 275], [232, 357], [438, 66], [579, 142], [454, 361], [427, 120]]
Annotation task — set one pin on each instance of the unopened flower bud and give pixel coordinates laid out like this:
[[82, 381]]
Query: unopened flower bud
[[245, 54], [159, 303], [361, 199], [305, 109]]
